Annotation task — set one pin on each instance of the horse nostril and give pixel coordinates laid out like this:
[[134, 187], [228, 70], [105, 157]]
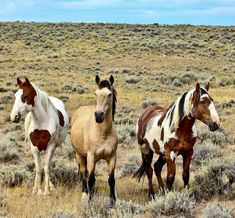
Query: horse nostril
[[99, 116], [213, 126]]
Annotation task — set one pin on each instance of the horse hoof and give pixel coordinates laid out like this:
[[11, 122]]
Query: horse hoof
[[35, 190], [40, 192], [52, 188], [84, 197], [46, 192]]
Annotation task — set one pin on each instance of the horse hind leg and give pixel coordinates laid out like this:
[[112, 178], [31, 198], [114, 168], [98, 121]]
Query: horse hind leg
[[38, 175], [111, 180], [82, 162], [146, 168], [158, 169], [48, 184]]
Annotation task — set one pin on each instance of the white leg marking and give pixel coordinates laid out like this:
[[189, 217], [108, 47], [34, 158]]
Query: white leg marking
[[173, 155], [48, 157], [38, 176]]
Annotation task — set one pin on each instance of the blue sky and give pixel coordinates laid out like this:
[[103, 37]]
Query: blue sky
[[196, 12]]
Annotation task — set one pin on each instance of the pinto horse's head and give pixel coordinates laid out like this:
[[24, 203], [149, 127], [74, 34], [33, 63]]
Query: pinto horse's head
[[24, 99], [105, 98], [203, 107]]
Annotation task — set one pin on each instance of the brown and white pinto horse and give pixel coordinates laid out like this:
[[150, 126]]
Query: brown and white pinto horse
[[172, 132], [46, 126], [94, 137]]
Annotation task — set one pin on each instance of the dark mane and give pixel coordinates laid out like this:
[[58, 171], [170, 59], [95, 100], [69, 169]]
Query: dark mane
[[106, 84], [181, 107]]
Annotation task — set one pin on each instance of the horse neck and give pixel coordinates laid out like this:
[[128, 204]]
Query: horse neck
[[186, 124], [39, 113], [105, 127]]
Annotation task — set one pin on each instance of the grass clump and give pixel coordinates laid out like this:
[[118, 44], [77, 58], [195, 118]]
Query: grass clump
[[8, 150], [173, 203], [215, 210]]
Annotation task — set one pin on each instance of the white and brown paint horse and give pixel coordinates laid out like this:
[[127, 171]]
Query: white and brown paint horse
[[46, 126], [172, 132], [94, 137]]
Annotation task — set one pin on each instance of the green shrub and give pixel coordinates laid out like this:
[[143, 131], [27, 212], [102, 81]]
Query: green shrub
[[173, 203], [147, 103], [126, 134], [131, 165], [8, 150], [211, 181], [218, 137], [203, 153], [215, 210], [14, 175], [62, 214]]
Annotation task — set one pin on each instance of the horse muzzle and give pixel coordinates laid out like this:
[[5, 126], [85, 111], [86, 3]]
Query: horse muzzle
[[99, 116], [16, 118], [213, 126]]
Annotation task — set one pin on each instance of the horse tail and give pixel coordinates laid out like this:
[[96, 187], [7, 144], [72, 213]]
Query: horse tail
[[141, 172]]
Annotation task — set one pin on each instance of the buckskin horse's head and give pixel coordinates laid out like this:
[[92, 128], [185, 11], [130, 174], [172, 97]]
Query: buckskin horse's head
[[203, 107], [105, 98]]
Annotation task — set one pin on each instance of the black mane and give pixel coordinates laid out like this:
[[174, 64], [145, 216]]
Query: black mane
[[106, 84]]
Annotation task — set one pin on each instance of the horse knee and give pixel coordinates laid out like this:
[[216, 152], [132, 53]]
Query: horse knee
[[170, 180], [144, 148]]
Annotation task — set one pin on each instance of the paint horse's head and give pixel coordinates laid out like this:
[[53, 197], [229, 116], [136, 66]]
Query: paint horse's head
[[203, 107], [24, 99], [105, 98]]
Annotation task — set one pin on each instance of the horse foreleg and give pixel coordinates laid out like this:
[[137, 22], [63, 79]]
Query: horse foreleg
[[158, 169], [111, 180], [91, 174], [48, 157], [186, 165], [170, 171], [38, 174], [82, 161]]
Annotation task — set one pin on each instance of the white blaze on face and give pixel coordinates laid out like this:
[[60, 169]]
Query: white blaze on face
[[18, 106], [214, 114]]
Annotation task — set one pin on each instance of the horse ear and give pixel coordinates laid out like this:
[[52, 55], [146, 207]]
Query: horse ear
[[27, 81], [97, 80], [19, 82], [111, 80], [207, 86], [196, 94]]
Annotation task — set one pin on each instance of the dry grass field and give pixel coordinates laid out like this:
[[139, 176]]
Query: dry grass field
[[150, 64]]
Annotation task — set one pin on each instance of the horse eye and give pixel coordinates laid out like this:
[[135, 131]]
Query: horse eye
[[95, 94], [109, 95]]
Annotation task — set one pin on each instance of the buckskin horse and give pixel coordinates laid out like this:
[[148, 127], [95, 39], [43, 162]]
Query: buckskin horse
[[46, 126], [172, 132], [94, 137]]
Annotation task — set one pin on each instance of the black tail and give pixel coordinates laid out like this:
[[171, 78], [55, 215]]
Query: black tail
[[141, 172]]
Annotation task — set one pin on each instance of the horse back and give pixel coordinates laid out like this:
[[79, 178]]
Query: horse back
[[143, 120]]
